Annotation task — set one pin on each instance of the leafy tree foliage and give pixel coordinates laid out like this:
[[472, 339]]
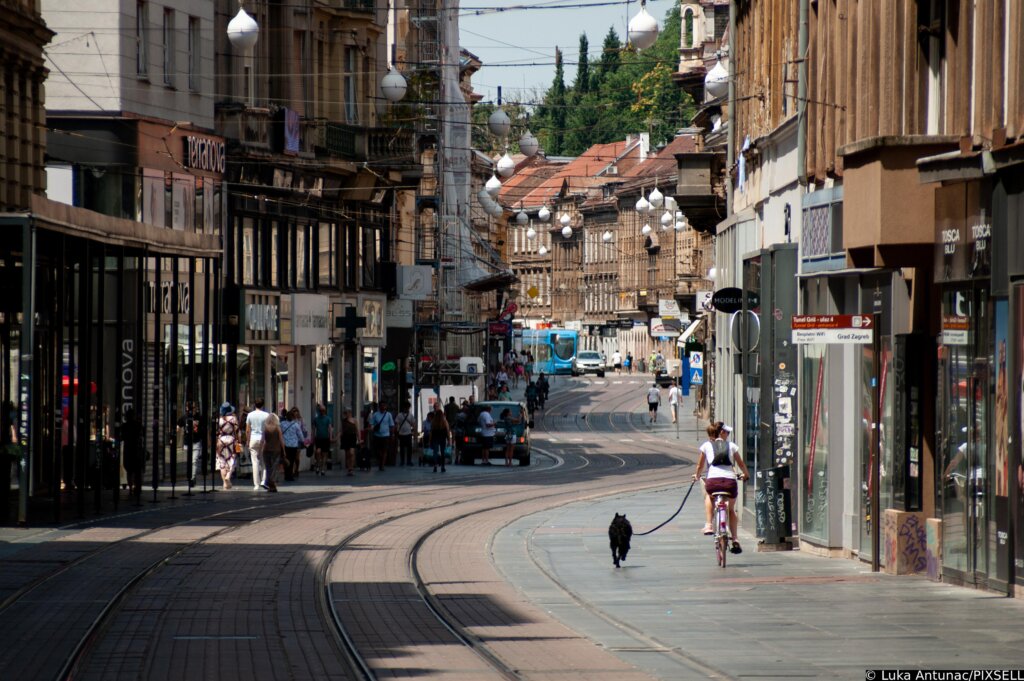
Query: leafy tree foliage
[[626, 92]]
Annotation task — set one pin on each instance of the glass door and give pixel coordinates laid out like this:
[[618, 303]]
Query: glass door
[[965, 417]]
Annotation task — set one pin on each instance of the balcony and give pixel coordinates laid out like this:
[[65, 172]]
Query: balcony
[[247, 126], [357, 143]]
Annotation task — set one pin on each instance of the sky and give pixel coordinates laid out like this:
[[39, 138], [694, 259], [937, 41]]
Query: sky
[[506, 41]]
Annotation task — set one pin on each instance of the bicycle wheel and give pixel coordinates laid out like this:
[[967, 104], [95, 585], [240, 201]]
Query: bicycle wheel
[[722, 549]]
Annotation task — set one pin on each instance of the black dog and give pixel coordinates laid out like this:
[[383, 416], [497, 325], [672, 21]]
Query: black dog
[[619, 533]]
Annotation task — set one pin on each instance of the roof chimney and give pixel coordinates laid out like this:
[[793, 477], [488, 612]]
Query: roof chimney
[[645, 145]]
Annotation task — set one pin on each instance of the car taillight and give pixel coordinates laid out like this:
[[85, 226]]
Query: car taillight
[[465, 439], [522, 439]]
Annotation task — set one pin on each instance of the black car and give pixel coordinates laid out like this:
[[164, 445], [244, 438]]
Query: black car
[[466, 432]]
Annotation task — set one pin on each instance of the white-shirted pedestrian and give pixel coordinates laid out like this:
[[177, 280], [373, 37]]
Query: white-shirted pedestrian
[[254, 436], [675, 398]]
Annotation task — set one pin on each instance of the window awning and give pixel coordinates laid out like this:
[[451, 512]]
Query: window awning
[[689, 330]]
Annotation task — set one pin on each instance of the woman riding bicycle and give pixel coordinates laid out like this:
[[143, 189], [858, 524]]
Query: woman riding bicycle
[[721, 458]]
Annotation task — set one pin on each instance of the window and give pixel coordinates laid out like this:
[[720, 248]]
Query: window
[[351, 59], [194, 55], [141, 51], [325, 254], [169, 47]]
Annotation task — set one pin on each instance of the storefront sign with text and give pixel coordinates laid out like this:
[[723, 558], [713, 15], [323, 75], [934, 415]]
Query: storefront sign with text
[[832, 329]]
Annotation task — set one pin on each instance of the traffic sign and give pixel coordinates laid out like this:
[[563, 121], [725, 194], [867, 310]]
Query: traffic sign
[[696, 376], [697, 359]]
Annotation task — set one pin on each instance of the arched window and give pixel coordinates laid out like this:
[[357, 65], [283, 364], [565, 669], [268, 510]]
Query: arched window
[[688, 27]]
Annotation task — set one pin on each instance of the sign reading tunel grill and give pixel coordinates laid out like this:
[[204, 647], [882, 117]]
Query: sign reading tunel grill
[[832, 329]]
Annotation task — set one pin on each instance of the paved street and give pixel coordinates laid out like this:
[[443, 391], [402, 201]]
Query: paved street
[[478, 573]]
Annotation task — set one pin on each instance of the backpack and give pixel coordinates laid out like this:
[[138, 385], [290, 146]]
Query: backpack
[[722, 458]]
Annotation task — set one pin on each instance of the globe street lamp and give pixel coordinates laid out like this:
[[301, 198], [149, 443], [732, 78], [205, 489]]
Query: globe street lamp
[[642, 31], [393, 86]]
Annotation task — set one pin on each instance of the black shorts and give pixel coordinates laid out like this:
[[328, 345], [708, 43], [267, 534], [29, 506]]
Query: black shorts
[[323, 444], [486, 443], [653, 406], [727, 485]]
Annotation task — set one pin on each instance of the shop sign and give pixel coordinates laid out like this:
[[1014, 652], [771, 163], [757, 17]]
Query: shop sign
[[703, 302], [963, 231], [311, 319], [373, 310], [730, 300], [668, 307], [574, 326], [841, 329], [955, 329], [167, 290], [498, 328], [261, 314], [415, 282], [204, 153], [399, 314], [666, 328]]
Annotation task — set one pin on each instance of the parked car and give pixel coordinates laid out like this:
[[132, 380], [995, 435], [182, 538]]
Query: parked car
[[588, 362], [466, 432]]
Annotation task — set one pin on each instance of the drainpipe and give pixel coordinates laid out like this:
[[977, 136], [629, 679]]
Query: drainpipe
[[730, 149], [801, 96]]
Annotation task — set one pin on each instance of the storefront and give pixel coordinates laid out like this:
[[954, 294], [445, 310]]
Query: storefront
[[123, 329]]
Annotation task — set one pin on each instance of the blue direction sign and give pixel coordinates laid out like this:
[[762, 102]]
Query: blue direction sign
[[696, 376]]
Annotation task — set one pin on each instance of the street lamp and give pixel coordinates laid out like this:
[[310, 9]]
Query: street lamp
[[544, 214], [643, 29], [607, 236], [493, 186], [499, 123], [528, 144], [393, 86], [656, 198], [531, 233], [643, 205], [567, 231], [521, 217], [243, 31], [506, 166], [645, 230]]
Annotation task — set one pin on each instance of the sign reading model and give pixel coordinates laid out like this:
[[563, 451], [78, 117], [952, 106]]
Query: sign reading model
[[730, 300], [833, 329]]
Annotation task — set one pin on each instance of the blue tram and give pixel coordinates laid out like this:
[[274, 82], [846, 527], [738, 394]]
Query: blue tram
[[553, 349]]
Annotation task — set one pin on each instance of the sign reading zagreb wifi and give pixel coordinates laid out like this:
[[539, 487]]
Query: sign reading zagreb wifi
[[842, 329]]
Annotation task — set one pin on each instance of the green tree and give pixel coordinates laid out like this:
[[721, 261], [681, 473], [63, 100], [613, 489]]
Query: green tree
[[610, 58], [582, 83], [550, 118]]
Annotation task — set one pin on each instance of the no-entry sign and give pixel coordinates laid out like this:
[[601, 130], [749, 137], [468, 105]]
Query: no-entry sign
[[833, 329]]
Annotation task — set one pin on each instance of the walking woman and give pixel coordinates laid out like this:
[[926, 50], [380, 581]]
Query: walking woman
[[508, 423], [349, 440], [227, 443], [294, 432], [440, 433], [273, 450]]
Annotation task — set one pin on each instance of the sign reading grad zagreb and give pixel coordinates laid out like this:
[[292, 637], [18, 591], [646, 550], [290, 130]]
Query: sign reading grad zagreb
[[848, 329]]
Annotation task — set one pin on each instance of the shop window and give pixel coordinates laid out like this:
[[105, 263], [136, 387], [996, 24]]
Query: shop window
[[194, 53], [350, 84], [183, 211], [153, 211]]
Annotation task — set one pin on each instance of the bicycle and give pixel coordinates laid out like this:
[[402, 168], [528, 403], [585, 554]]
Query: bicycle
[[721, 506]]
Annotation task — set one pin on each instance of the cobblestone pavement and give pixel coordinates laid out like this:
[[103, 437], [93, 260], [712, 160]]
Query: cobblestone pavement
[[477, 573]]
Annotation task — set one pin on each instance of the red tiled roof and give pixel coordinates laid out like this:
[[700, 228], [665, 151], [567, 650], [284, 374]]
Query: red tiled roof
[[582, 172], [660, 169]]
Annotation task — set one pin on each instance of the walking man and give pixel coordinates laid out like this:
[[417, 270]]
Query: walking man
[[254, 436], [653, 400], [382, 424], [617, 361], [674, 398]]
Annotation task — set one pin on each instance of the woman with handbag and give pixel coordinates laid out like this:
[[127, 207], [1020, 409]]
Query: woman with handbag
[[272, 450], [228, 446], [294, 432]]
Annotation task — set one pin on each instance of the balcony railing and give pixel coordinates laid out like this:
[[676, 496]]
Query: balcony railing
[[358, 143], [249, 126]]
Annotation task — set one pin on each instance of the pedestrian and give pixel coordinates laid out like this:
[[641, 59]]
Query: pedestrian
[[227, 443], [273, 451], [191, 426], [502, 377], [504, 395], [294, 432], [652, 362], [653, 400], [617, 361], [487, 431], [675, 397], [440, 434], [528, 366], [451, 410], [508, 423], [349, 440], [254, 423], [132, 456], [382, 427], [530, 394], [406, 427], [629, 362], [542, 390], [323, 435]]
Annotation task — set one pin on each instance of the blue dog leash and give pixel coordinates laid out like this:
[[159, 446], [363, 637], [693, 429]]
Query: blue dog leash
[[692, 483]]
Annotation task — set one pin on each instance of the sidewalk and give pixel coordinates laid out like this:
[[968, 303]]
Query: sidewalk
[[770, 615]]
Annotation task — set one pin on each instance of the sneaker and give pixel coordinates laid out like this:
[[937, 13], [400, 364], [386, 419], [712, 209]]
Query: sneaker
[[707, 530], [735, 548]]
